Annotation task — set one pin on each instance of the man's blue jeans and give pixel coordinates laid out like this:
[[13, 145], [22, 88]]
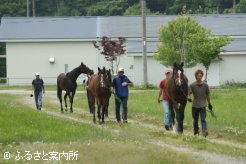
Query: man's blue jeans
[[38, 99], [167, 113]]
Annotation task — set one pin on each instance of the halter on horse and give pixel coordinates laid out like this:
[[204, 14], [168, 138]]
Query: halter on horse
[[177, 91], [99, 91], [68, 83]]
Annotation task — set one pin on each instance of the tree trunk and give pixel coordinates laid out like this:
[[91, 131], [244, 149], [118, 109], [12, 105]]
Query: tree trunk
[[206, 75]]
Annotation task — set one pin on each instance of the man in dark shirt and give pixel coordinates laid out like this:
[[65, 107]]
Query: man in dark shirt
[[121, 83], [201, 96], [38, 90]]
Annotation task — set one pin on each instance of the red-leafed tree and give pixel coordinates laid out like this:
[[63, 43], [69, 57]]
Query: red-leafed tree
[[112, 50]]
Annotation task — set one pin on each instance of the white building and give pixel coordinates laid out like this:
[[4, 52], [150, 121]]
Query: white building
[[51, 45]]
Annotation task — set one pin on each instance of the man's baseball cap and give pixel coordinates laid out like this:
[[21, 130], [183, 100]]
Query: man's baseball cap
[[121, 70], [168, 71], [37, 74]]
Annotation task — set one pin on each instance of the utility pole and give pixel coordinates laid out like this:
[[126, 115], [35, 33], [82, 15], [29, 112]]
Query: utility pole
[[33, 8], [27, 8], [145, 70], [234, 6]]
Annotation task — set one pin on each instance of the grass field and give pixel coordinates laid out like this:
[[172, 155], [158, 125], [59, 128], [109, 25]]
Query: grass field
[[229, 106], [24, 129]]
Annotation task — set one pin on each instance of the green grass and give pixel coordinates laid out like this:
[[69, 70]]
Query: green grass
[[25, 124], [229, 106], [229, 125], [25, 129]]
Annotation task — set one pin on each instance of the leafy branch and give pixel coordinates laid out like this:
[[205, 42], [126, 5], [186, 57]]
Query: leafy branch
[[112, 50]]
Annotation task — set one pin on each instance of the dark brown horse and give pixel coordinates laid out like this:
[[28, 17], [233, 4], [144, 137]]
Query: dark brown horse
[[67, 82], [99, 91], [177, 91]]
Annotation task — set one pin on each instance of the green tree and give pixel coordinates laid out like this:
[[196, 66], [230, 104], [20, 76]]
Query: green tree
[[107, 8], [185, 40], [111, 50], [116, 7], [208, 49], [136, 10], [241, 6], [73, 8], [160, 6], [44, 7], [13, 8]]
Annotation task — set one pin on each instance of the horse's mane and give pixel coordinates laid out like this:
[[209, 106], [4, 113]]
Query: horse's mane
[[74, 74]]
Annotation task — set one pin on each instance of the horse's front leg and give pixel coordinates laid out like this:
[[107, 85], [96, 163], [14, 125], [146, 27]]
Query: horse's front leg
[[182, 109], [178, 116], [104, 108], [65, 100], [105, 111], [94, 116], [99, 105]]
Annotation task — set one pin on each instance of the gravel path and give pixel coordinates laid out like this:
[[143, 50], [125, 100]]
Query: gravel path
[[205, 157]]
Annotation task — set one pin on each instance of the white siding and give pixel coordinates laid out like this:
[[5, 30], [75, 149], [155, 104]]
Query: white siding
[[24, 59], [213, 73], [220, 72], [232, 68], [155, 70]]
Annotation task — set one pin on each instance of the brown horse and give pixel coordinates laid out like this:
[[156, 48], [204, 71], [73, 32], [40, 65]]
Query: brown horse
[[99, 91], [177, 91], [67, 82]]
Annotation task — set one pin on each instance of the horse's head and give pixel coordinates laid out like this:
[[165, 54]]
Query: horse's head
[[105, 78], [178, 73], [85, 69]]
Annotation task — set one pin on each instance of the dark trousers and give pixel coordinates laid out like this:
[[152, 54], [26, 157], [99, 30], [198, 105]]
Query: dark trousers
[[195, 114], [117, 108]]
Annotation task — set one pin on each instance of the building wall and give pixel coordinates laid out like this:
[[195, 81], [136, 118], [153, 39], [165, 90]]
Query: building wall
[[232, 67], [154, 68], [220, 72], [24, 59]]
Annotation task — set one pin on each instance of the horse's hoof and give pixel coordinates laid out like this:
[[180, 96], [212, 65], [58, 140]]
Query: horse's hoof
[[94, 121], [66, 110], [101, 122], [62, 112]]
